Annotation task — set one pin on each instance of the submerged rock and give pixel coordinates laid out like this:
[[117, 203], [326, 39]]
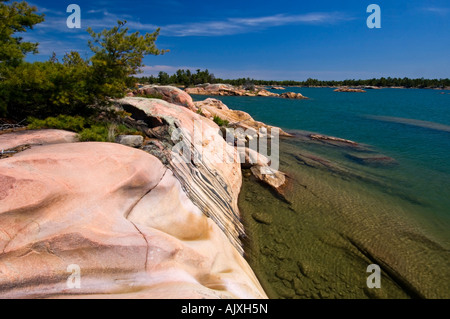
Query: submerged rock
[[332, 139], [262, 218], [372, 159]]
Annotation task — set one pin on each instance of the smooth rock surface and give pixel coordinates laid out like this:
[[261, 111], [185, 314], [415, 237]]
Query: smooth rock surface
[[35, 137], [118, 214], [169, 94]]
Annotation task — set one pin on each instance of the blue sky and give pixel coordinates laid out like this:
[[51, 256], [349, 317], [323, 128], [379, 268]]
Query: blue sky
[[279, 40]]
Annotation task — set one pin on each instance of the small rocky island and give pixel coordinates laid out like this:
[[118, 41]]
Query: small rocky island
[[350, 90], [229, 90]]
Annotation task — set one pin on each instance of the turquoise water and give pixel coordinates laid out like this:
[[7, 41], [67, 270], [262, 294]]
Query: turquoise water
[[344, 215], [409, 125]]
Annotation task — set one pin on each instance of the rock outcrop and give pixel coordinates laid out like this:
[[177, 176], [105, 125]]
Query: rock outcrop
[[237, 119], [293, 96], [229, 90], [208, 167], [216, 89], [121, 218], [346, 89], [272, 178], [130, 140], [265, 93], [158, 223], [169, 94], [36, 137]]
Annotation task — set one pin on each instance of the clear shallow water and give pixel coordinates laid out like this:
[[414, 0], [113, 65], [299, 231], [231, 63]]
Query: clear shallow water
[[342, 215]]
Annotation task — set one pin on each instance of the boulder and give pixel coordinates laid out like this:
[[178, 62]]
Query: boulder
[[253, 158], [121, 218], [170, 94], [130, 140], [294, 96], [267, 93], [274, 179]]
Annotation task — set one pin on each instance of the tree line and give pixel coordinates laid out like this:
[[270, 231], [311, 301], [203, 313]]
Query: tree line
[[181, 77], [187, 78]]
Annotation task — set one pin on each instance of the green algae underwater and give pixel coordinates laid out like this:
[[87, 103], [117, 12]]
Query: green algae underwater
[[384, 202], [336, 218]]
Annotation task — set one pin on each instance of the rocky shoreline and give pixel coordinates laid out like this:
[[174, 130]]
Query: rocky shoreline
[[229, 90], [140, 223]]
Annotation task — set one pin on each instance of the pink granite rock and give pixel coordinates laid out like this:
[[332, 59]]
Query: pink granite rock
[[170, 94], [120, 216], [33, 137], [214, 180]]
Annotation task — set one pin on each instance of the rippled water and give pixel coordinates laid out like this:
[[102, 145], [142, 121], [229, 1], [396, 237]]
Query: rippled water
[[343, 210]]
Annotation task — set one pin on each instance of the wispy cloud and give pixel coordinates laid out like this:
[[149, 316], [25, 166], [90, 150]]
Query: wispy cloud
[[228, 26], [233, 26], [437, 10], [54, 27]]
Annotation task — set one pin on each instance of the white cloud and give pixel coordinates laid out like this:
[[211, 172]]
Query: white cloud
[[232, 26], [437, 10], [229, 26]]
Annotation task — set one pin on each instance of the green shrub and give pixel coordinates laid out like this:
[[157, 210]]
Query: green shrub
[[89, 129], [96, 133], [220, 122], [153, 96], [61, 122], [75, 87]]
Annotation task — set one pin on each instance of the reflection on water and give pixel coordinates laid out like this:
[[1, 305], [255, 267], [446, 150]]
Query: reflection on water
[[346, 207]]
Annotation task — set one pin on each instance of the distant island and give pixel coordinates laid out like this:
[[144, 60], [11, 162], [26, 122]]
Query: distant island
[[188, 78]]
